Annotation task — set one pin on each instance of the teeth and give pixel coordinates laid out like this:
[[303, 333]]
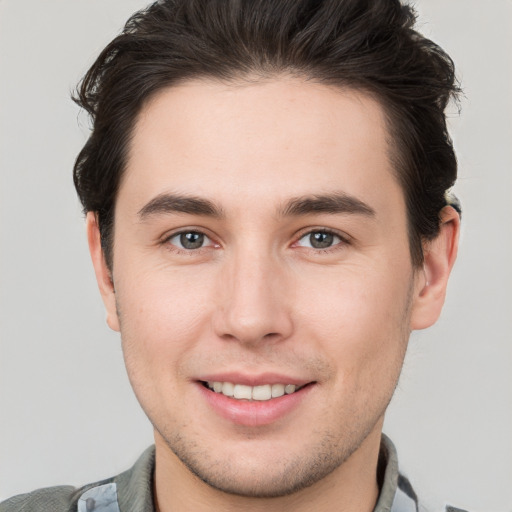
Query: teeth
[[289, 389], [227, 389], [262, 392], [277, 390], [243, 392]]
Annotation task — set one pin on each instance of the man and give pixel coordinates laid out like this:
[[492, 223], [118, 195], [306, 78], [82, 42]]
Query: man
[[266, 195]]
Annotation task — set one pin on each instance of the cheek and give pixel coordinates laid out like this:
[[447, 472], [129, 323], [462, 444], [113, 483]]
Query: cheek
[[162, 321], [161, 316], [360, 317]]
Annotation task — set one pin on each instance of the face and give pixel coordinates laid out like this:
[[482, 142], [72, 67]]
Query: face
[[261, 250]]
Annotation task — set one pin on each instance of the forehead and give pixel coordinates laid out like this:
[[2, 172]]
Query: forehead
[[263, 141]]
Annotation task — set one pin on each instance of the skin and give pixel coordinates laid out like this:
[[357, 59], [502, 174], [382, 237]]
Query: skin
[[256, 297]]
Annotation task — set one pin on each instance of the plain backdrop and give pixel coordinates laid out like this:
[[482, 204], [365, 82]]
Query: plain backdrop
[[67, 413]]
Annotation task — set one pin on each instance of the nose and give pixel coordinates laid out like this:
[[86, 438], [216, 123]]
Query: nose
[[254, 301]]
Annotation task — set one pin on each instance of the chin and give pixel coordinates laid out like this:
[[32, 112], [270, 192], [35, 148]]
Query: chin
[[263, 472], [272, 481]]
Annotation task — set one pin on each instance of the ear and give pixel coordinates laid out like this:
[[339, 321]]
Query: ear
[[103, 274], [432, 280]]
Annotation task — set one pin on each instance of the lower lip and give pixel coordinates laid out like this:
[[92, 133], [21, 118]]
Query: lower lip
[[253, 413]]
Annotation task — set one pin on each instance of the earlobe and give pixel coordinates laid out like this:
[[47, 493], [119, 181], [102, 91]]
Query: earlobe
[[432, 281], [103, 274]]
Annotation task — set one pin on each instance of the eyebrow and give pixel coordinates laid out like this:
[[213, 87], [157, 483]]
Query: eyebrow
[[176, 203], [334, 203]]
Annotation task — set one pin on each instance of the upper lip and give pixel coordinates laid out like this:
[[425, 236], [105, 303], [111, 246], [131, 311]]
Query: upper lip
[[259, 379]]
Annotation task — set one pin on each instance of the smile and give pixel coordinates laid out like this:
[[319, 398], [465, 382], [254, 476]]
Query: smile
[[254, 401], [243, 392]]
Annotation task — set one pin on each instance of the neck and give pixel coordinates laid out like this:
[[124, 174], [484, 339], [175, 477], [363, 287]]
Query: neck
[[352, 487]]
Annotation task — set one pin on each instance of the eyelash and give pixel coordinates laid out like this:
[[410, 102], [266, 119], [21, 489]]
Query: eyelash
[[343, 241], [188, 252]]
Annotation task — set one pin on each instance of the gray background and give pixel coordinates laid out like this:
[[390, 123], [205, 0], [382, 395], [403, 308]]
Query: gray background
[[67, 414]]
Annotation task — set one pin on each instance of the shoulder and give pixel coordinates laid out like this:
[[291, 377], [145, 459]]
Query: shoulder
[[130, 490], [98, 496], [56, 499]]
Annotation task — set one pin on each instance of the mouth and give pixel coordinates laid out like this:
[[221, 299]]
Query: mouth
[[255, 400], [260, 393]]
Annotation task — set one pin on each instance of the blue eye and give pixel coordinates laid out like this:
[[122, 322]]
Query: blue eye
[[190, 240], [319, 240]]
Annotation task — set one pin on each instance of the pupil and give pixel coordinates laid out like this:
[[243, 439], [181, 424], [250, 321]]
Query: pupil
[[191, 240], [320, 240]]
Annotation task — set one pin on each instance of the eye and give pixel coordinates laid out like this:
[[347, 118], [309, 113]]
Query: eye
[[190, 240], [319, 239]]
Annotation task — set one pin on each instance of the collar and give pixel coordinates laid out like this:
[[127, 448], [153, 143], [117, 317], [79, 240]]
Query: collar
[[396, 493]]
